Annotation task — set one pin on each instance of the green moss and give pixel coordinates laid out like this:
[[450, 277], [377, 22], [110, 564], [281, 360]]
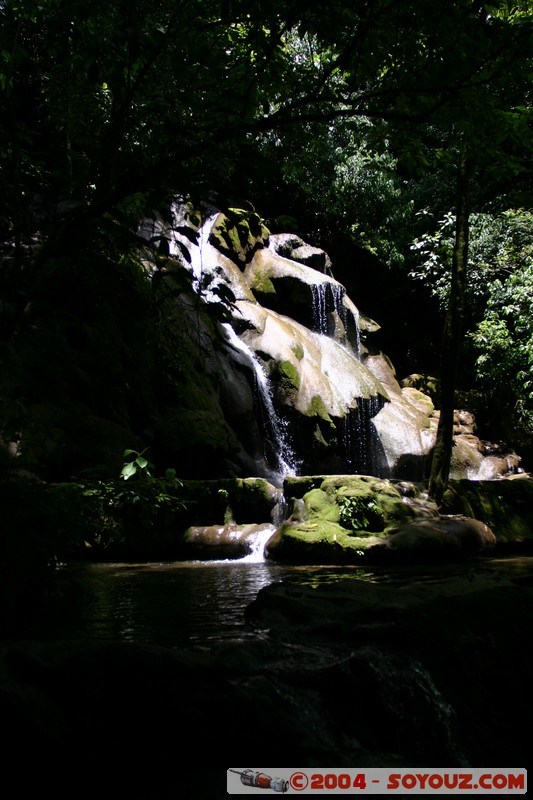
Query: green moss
[[319, 542], [318, 503], [286, 382], [261, 283], [298, 351], [239, 233], [319, 437], [286, 371], [340, 515], [318, 409]]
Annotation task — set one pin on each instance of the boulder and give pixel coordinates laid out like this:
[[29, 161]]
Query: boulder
[[343, 518], [291, 246], [309, 297], [238, 234], [506, 505], [440, 539]]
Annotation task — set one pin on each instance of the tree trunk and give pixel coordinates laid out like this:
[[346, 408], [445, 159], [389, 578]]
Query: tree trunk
[[452, 340]]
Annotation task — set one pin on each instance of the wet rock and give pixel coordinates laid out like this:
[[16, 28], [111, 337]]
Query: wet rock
[[439, 538], [207, 542]]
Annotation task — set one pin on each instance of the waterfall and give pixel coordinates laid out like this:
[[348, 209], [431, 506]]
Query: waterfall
[[361, 443], [275, 427], [257, 546], [331, 316], [330, 321], [190, 245], [320, 316], [194, 249]]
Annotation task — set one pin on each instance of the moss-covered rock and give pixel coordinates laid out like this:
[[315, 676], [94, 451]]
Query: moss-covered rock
[[337, 519], [286, 380], [318, 409], [238, 234]]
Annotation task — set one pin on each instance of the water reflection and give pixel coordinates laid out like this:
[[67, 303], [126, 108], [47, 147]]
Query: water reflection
[[195, 602]]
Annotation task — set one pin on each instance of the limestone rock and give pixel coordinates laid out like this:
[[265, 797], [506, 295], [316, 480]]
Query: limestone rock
[[239, 233], [291, 246]]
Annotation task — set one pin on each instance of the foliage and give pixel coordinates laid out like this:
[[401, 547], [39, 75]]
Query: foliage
[[136, 464], [503, 341], [500, 244], [134, 103], [114, 512], [499, 334], [359, 513], [341, 180], [368, 188]]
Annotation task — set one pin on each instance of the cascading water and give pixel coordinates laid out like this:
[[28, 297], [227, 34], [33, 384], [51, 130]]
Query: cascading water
[[274, 426], [257, 546], [331, 316], [327, 298], [361, 444], [189, 242], [202, 258]]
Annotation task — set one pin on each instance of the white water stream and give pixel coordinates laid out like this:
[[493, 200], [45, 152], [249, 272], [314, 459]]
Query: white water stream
[[286, 462]]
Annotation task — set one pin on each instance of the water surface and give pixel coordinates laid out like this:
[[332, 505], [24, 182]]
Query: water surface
[[196, 602]]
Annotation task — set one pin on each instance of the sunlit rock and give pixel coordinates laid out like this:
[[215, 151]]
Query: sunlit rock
[[342, 518], [228, 541], [298, 381], [291, 246], [319, 370], [309, 297]]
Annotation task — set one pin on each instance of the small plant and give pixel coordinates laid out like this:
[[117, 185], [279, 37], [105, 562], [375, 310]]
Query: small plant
[[136, 464], [360, 513]]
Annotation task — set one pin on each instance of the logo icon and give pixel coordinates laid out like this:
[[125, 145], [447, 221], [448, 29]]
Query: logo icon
[[261, 781]]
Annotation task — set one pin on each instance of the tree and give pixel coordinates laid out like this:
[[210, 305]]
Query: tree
[[452, 337], [503, 338], [110, 102], [490, 124]]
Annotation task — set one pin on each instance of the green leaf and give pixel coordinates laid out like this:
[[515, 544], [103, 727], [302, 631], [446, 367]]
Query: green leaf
[[128, 470]]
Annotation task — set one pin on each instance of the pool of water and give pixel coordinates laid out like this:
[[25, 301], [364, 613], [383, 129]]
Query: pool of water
[[184, 603]]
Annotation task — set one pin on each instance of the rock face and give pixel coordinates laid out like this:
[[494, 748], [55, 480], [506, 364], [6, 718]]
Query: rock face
[[306, 392], [212, 542]]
